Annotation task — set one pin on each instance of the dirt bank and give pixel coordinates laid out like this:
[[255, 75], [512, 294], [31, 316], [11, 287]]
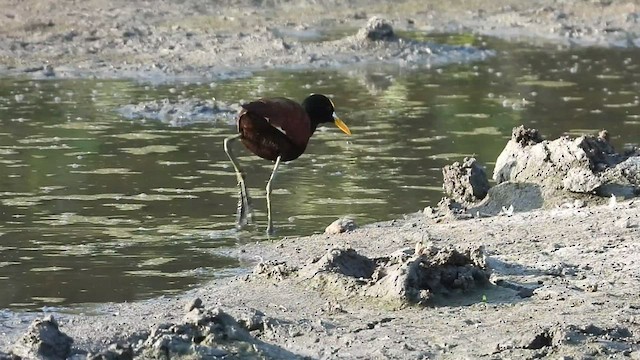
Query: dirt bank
[[563, 283], [195, 41]]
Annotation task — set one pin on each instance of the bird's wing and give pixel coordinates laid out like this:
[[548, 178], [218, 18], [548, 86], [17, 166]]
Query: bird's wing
[[285, 115]]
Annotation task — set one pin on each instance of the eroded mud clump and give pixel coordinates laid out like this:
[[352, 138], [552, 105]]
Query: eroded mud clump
[[447, 209], [274, 269], [404, 277], [43, 340], [205, 333], [465, 182], [343, 261], [181, 112], [341, 225], [586, 164], [376, 29], [525, 136], [556, 335]]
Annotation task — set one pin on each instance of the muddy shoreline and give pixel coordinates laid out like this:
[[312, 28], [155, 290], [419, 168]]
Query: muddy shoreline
[[561, 274], [160, 41]]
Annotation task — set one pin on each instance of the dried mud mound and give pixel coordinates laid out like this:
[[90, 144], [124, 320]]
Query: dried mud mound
[[465, 182], [204, 333], [377, 42], [587, 164], [408, 276], [181, 112], [43, 340], [533, 173]]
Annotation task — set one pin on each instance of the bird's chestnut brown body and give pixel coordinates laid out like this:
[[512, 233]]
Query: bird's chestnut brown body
[[275, 127]]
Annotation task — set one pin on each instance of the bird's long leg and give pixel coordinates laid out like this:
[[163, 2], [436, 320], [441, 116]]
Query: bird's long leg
[[273, 175], [244, 209]]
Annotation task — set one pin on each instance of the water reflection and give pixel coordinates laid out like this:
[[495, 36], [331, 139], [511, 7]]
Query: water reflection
[[94, 207]]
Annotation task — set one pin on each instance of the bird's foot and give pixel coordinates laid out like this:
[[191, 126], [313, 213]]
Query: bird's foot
[[244, 211], [243, 217], [270, 229]]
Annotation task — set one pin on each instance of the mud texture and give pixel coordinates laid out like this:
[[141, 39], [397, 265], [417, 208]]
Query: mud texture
[[341, 225], [181, 112], [587, 164], [191, 40], [194, 52], [465, 182], [43, 340], [554, 283], [407, 276]]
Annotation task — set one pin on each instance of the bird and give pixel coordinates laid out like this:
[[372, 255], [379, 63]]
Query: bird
[[277, 129]]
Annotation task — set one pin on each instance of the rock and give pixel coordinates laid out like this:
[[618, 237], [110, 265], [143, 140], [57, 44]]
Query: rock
[[375, 30], [48, 71], [341, 225], [43, 340], [465, 182]]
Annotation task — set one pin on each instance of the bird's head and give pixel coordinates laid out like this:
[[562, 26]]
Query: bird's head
[[321, 110]]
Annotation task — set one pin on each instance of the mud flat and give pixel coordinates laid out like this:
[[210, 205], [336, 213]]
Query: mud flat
[[551, 274], [191, 40]]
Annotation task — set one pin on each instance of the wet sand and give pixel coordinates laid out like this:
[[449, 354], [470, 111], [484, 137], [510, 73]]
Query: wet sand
[[561, 281]]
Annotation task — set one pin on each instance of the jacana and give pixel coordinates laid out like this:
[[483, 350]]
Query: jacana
[[277, 129]]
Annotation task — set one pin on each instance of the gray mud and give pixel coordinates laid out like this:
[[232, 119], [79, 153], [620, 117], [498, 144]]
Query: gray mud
[[465, 182], [542, 283], [197, 56], [181, 112], [533, 173], [195, 41]]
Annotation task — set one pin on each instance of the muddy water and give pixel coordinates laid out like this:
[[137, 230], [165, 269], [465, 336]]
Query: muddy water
[[94, 207]]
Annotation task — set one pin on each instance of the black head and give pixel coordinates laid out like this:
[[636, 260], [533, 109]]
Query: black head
[[321, 110]]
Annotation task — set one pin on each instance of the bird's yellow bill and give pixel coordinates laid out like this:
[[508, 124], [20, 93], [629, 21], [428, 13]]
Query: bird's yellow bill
[[341, 125]]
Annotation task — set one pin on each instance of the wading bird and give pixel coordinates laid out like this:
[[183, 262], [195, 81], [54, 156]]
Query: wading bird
[[277, 129]]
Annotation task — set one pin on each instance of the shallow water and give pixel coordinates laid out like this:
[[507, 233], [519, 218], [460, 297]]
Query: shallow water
[[95, 207]]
